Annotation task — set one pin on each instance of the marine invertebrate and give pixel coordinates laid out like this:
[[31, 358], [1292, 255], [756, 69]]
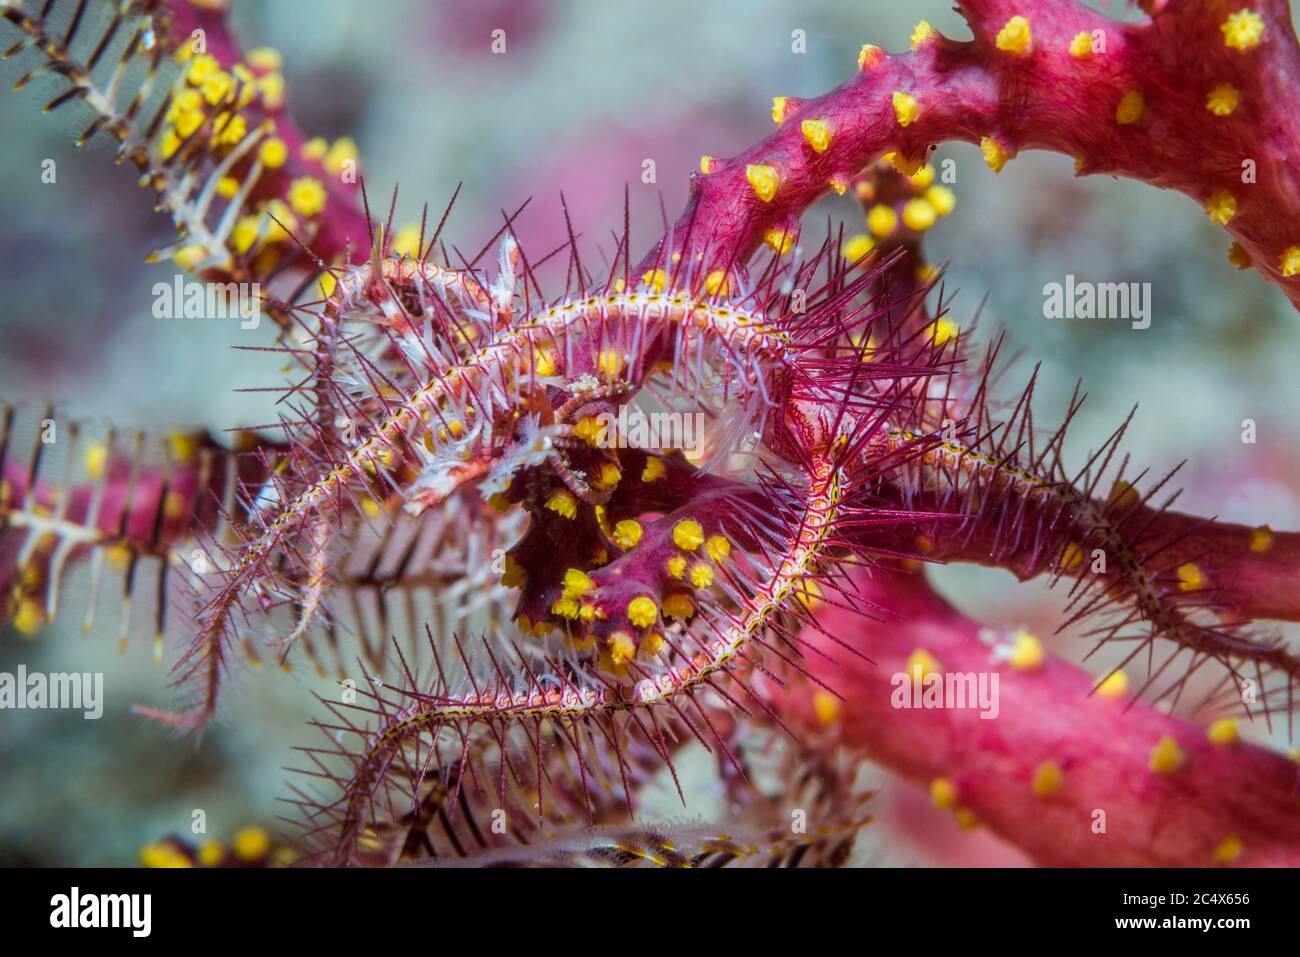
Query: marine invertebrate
[[447, 416]]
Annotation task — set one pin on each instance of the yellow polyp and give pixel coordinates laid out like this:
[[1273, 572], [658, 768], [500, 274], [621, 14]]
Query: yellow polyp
[[563, 503], [717, 547], [869, 56], [688, 535], [839, 183], [706, 163], [174, 505], [264, 58], [251, 844], [858, 246], [406, 242], [280, 219], [922, 178], [966, 819], [29, 617], [622, 647], [588, 429], [764, 180], [189, 121], [1229, 850], [271, 89], [94, 460], [200, 68], [1221, 207], [1130, 109], [372, 508], [676, 566], [918, 215], [315, 149], [216, 86], [679, 606], [826, 707], [701, 575], [544, 363], [642, 611], [1190, 577], [565, 607], [942, 330], [1291, 261], [922, 32], [1026, 652], [1048, 778], [1123, 495], [923, 662], [1166, 757], [189, 257], [183, 102], [882, 220], [162, 855], [229, 129], [817, 133], [906, 108], [627, 533], [778, 109], [227, 187], [611, 362], [906, 165], [810, 593], [994, 154], [1081, 46], [211, 853], [306, 196], [342, 151], [654, 470], [245, 233], [943, 793], [273, 152], [781, 241], [577, 583], [1222, 99], [1242, 31], [1223, 732], [652, 645], [714, 283], [1261, 539], [1072, 556], [656, 278], [171, 142], [1015, 37]]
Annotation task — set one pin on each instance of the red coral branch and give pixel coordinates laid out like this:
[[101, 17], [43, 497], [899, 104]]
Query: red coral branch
[[1056, 754], [1193, 98]]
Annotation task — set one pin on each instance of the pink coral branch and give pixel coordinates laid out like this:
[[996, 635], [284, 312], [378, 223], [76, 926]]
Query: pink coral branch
[[1055, 755], [1193, 98]]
